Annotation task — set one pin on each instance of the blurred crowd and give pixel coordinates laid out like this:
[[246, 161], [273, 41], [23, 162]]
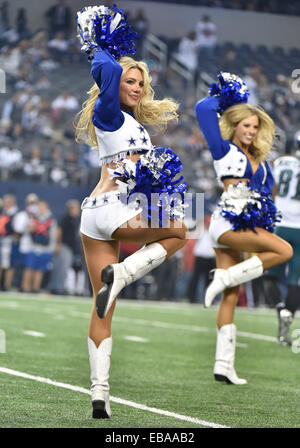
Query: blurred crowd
[[37, 251], [47, 78], [290, 7]]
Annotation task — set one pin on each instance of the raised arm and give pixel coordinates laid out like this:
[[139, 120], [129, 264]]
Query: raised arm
[[107, 74], [206, 113]]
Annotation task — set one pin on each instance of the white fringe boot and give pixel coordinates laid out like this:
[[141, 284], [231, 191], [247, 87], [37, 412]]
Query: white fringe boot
[[117, 276], [99, 365], [235, 275], [225, 354]]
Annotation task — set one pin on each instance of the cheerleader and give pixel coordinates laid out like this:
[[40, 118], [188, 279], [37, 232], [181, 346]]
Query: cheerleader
[[245, 216], [121, 102]]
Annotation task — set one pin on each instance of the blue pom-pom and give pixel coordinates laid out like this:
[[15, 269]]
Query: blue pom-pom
[[105, 28], [231, 90], [260, 213]]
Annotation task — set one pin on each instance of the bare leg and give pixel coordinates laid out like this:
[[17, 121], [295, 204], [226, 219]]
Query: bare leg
[[160, 243], [99, 254], [270, 248], [9, 275], [37, 280], [27, 280], [172, 238], [224, 259]]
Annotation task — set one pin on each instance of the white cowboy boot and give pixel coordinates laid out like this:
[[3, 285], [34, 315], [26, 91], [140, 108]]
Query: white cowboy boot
[[117, 276], [235, 275], [225, 354], [99, 365]]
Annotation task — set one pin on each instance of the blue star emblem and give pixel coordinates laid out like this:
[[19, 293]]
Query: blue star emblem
[[94, 201], [105, 199], [144, 140], [131, 141], [141, 128]]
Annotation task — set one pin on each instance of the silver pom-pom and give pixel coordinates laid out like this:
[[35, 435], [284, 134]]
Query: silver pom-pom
[[237, 197]]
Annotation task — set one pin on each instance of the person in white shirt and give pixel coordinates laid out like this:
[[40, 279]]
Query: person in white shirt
[[188, 51], [206, 32], [10, 160], [21, 227], [65, 101]]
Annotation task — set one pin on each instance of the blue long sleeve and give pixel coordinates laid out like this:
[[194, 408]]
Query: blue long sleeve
[[107, 74], [206, 113]]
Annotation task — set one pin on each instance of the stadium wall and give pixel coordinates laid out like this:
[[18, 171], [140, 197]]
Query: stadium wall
[[172, 20]]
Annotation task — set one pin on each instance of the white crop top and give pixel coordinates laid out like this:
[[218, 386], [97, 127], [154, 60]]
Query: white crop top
[[233, 164], [130, 138]]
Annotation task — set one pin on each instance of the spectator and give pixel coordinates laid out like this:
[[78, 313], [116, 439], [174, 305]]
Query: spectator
[[187, 51], [21, 227], [206, 32], [230, 63], [43, 83], [8, 246], [140, 25], [205, 261], [12, 109], [59, 18], [4, 18], [58, 47], [58, 175], [42, 228], [68, 249], [21, 24], [34, 169], [185, 269], [10, 161], [64, 102]]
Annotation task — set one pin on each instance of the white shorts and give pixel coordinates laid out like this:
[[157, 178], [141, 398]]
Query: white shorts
[[218, 226], [102, 215]]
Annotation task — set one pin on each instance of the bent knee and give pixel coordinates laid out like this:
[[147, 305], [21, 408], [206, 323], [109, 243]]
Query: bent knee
[[289, 252], [180, 231]]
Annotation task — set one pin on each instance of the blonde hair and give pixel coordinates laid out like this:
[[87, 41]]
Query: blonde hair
[[263, 141], [148, 111]]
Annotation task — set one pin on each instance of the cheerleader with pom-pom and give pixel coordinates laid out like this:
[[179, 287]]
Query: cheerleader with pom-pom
[[121, 102], [245, 216]]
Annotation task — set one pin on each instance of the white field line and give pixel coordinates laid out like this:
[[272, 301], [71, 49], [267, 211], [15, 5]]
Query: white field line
[[113, 399], [260, 337], [155, 323], [36, 334], [136, 339], [194, 328]]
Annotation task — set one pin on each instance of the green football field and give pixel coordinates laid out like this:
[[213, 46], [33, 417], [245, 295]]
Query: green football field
[[161, 370]]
